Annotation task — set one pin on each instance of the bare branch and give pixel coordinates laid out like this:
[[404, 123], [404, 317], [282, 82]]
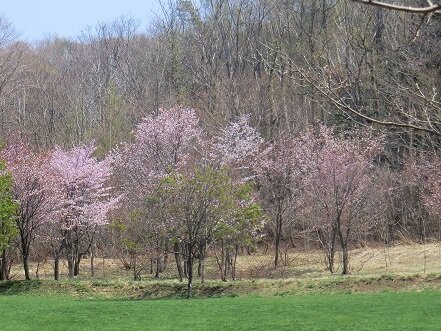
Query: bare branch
[[323, 87], [431, 8]]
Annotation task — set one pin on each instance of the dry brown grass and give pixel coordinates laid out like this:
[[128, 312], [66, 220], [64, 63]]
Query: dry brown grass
[[398, 268], [399, 259], [103, 268]]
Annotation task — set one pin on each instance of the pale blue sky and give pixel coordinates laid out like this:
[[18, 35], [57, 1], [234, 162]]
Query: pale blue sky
[[37, 19]]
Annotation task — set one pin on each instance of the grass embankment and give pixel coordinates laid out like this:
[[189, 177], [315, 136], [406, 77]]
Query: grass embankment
[[173, 289], [368, 311]]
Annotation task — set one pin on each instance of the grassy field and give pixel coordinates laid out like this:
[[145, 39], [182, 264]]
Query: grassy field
[[379, 311], [398, 288]]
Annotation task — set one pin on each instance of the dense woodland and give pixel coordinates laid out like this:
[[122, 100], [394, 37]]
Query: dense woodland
[[225, 126]]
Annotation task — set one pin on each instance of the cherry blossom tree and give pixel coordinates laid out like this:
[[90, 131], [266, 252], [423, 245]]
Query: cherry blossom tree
[[432, 183], [339, 187], [234, 150], [163, 143], [86, 198], [423, 174], [279, 178], [237, 145], [33, 188]]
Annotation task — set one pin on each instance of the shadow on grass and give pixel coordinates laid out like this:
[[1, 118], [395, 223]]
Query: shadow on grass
[[179, 291], [14, 287]]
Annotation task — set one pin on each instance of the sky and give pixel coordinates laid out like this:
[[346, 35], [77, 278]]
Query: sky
[[39, 19]]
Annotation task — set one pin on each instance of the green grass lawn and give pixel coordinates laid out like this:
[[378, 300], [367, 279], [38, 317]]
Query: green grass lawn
[[382, 311]]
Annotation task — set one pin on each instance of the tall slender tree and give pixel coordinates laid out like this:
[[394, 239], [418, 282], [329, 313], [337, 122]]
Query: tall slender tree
[[8, 213]]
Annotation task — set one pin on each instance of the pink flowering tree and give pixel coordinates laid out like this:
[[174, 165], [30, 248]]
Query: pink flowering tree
[[339, 187], [431, 173], [424, 176], [234, 151], [172, 143], [279, 174], [85, 200], [432, 197], [163, 143], [33, 188], [236, 147]]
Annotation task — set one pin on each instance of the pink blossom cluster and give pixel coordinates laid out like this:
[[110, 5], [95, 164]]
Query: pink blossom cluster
[[238, 142], [62, 187], [339, 173], [34, 183], [174, 141], [325, 173], [162, 144], [83, 186], [426, 173]]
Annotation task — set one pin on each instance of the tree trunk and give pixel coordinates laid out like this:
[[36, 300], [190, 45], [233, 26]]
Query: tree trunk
[[190, 271], [278, 231], [70, 252], [233, 266], [26, 265], [202, 254], [37, 270], [345, 250], [92, 267], [331, 250], [56, 267], [345, 253], [70, 266], [327, 242], [136, 272], [226, 263], [184, 249], [220, 260], [4, 267], [165, 257], [77, 261], [178, 259], [25, 254], [291, 239], [158, 266]]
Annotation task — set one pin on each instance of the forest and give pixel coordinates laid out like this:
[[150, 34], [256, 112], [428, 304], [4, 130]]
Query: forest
[[224, 128]]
